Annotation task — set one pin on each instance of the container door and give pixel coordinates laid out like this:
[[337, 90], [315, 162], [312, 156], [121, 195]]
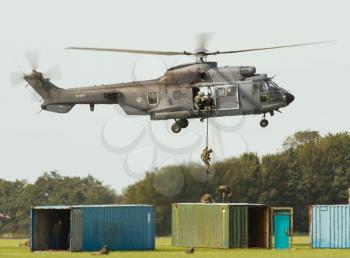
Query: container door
[[282, 230], [227, 97], [31, 231], [325, 228], [76, 231], [238, 234]]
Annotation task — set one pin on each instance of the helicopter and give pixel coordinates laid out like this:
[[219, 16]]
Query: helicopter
[[200, 90]]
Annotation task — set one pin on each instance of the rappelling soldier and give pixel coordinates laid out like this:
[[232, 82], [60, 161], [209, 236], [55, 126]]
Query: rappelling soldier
[[206, 156]]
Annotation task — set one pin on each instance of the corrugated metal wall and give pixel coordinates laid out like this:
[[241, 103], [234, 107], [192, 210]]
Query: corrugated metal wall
[[76, 230], [120, 227], [200, 225], [330, 226], [221, 225], [89, 228], [238, 226], [40, 231], [207, 225]]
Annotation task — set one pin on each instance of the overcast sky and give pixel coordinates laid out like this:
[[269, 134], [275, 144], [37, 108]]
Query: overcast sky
[[118, 149]]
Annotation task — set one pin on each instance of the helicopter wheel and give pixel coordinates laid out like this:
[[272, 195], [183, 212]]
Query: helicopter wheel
[[176, 127], [264, 123], [183, 123]]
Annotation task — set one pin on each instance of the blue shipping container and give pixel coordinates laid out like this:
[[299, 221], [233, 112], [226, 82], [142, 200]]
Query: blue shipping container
[[89, 228], [330, 226]]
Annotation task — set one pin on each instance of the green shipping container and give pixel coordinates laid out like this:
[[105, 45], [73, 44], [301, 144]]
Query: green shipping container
[[221, 225]]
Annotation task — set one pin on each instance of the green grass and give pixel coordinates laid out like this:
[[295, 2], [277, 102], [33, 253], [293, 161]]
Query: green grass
[[10, 248]]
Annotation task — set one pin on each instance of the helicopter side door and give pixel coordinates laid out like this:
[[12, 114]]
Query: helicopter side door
[[250, 97], [226, 98]]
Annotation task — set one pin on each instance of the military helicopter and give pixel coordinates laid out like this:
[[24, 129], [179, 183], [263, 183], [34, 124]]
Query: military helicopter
[[196, 90]]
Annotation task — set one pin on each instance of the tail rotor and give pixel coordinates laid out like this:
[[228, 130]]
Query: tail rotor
[[33, 58]]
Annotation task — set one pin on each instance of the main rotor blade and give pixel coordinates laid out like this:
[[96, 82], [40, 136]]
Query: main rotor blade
[[203, 40], [150, 52], [54, 73], [33, 59], [267, 48]]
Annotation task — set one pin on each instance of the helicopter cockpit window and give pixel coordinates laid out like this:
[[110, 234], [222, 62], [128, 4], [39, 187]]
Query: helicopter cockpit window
[[268, 85], [152, 98], [273, 84]]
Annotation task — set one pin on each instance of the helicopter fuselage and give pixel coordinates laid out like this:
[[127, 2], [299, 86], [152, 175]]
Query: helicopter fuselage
[[233, 90]]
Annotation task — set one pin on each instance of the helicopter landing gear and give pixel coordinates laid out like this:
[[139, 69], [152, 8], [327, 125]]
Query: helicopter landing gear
[[264, 122], [178, 125], [183, 123]]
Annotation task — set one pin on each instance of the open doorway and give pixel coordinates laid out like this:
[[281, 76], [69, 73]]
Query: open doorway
[[258, 227], [203, 98], [51, 229]]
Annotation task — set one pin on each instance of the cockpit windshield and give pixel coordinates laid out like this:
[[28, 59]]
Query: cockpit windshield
[[268, 85], [270, 92]]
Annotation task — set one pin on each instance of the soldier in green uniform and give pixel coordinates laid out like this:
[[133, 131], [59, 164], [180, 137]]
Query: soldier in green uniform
[[205, 156], [103, 251], [198, 99], [225, 193], [207, 198]]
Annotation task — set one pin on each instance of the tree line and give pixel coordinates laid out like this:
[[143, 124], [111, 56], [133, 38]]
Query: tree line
[[17, 197], [310, 169]]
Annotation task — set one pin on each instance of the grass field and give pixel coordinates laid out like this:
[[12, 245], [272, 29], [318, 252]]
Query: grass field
[[10, 248]]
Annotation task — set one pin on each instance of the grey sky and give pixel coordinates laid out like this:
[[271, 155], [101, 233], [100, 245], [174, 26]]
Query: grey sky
[[71, 143]]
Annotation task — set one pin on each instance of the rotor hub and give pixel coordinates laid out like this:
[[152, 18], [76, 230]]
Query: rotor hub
[[36, 75]]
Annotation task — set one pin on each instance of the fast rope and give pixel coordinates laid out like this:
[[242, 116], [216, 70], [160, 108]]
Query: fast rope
[[206, 151], [207, 147], [207, 134]]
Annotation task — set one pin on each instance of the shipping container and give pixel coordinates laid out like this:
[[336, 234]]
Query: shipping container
[[221, 225], [330, 226], [89, 228]]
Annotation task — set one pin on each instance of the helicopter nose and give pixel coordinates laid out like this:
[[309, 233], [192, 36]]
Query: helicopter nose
[[289, 98]]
